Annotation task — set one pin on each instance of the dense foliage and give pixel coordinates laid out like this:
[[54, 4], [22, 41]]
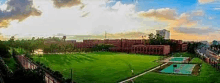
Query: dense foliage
[[102, 47], [192, 46], [4, 50]]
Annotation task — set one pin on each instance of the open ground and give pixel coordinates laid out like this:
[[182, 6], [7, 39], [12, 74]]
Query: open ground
[[99, 67]]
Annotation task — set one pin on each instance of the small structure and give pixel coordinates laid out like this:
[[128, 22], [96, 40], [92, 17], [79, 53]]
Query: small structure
[[39, 51]]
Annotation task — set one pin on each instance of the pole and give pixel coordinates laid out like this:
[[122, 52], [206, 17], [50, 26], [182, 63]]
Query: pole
[[105, 34], [71, 76]]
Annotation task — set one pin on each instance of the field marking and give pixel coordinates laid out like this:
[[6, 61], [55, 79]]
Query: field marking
[[142, 73]]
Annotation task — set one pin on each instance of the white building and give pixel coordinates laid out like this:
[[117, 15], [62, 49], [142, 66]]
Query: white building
[[165, 33]]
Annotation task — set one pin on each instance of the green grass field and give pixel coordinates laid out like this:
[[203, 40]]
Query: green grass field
[[208, 74], [196, 60], [99, 67]]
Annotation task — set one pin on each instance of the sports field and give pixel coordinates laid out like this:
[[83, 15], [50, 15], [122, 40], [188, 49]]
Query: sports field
[[208, 74], [178, 59], [99, 67], [180, 69]]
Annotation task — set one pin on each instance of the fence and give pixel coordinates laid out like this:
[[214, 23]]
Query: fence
[[28, 64]]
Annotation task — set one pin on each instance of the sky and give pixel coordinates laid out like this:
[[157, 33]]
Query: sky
[[189, 20]]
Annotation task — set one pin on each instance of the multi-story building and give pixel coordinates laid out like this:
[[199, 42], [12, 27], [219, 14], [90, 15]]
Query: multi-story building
[[133, 45], [164, 33]]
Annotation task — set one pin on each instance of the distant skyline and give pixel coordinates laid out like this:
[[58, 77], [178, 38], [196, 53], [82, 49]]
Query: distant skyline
[[186, 19]]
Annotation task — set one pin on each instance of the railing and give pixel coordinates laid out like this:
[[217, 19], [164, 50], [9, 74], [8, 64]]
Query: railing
[[28, 64]]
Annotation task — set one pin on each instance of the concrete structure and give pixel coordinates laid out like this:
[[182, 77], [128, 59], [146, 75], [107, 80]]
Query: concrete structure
[[28, 64], [39, 51], [165, 33]]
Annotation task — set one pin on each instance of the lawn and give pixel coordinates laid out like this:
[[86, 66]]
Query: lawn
[[99, 67], [10, 63], [208, 74], [184, 54], [196, 60]]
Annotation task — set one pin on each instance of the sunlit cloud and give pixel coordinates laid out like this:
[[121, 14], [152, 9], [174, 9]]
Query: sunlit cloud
[[17, 10], [66, 3], [205, 1]]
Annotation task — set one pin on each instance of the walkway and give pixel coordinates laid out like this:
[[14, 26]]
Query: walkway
[[142, 73]]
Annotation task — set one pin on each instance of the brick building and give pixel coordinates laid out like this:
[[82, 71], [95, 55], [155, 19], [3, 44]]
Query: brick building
[[151, 49], [133, 45]]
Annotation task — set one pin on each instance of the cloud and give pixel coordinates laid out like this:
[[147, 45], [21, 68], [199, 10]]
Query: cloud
[[200, 31], [198, 13], [216, 8], [170, 16], [210, 18], [163, 13], [206, 1], [73, 21], [17, 10], [66, 3]]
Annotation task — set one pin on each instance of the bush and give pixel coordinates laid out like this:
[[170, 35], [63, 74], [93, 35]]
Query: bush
[[58, 74]]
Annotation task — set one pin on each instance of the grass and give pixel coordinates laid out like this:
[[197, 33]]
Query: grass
[[196, 60], [10, 63], [99, 67], [208, 74], [184, 54]]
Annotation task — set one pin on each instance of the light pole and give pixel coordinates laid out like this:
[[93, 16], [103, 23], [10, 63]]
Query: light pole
[[71, 76]]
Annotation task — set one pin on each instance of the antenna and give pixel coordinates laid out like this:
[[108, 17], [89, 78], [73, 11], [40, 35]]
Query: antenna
[[105, 34]]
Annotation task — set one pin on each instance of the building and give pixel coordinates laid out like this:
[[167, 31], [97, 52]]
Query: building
[[151, 49], [39, 51], [164, 33], [71, 41]]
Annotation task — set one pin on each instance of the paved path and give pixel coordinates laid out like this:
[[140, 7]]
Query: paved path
[[142, 73]]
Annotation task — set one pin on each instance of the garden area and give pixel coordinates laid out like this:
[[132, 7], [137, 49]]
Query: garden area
[[98, 67]]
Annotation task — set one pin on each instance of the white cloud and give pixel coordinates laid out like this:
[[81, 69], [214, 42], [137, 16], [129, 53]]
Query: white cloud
[[119, 18], [198, 13], [163, 13], [216, 8], [210, 18]]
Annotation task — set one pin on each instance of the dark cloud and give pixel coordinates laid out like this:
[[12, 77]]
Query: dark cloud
[[199, 31], [66, 3], [17, 10]]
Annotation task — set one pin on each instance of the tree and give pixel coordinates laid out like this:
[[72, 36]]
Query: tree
[[151, 38], [11, 41], [160, 39], [65, 47], [64, 38], [27, 76], [4, 50], [53, 47]]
